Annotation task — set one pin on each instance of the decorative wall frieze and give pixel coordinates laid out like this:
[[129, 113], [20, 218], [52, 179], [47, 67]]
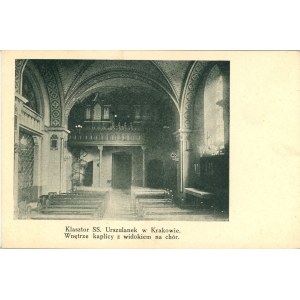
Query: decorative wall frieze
[[19, 66], [168, 78], [175, 73], [189, 93], [53, 93]]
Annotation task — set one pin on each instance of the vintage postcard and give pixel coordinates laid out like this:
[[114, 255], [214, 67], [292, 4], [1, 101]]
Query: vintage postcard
[[150, 149]]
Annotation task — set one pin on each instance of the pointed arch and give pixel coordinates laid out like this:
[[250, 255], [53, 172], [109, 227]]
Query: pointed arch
[[115, 74], [20, 65], [54, 93], [189, 92], [213, 111]]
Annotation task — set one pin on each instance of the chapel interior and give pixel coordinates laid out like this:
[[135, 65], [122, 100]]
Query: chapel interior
[[121, 140]]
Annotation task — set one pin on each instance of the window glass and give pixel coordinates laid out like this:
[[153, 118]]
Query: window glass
[[213, 113]]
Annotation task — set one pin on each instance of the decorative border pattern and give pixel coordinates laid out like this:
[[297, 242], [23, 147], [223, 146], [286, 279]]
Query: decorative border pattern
[[167, 77], [189, 94], [19, 63], [53, 93]]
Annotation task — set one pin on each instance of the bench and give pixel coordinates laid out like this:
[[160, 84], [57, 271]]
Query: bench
[[140, 196], [149, 193], [87, 204], [199, 198]]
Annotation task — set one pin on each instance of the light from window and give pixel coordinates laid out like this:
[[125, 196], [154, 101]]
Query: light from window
[[97, 112], [213, 113]]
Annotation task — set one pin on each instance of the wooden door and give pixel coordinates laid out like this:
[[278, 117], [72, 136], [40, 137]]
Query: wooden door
[[121, 170]]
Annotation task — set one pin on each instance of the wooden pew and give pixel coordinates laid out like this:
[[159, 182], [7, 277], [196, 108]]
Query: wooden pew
[[143, 197], [83, 204], [199, 199], [164, 208]]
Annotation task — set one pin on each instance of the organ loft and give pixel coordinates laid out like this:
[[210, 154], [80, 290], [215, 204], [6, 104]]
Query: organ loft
[[121, 140]]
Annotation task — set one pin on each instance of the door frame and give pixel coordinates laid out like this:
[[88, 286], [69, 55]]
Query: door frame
[[113, 177]]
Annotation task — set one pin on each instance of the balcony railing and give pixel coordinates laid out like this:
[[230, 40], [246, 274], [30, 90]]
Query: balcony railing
[[30, 119], [111, 134], [103, 126]]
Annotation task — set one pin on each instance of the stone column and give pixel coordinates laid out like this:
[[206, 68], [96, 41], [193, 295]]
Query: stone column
[[37, 166], [68, 168], [100, 148], [55, 154], [144, 166], [185, 148], [19, 102], [62, 164]]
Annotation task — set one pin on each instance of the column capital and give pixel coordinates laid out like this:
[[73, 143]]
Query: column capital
[[36, 140], [183, 134], [59, 131], [67, 156], [100, 147], [143, 148]]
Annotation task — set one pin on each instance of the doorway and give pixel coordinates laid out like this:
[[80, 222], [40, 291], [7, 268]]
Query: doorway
[[121, 170], [88, 176]]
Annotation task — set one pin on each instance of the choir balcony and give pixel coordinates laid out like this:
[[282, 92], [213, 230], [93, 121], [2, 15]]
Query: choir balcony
[[30, 120], [94, 133]]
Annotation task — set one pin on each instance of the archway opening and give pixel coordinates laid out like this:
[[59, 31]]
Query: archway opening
[[134, 119], [210, 167]]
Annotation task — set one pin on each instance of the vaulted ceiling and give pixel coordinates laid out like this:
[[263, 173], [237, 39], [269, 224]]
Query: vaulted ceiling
[[67, 82], [76, 75]]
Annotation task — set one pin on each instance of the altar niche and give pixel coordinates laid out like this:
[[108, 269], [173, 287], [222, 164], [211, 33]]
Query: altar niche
[[121, 170]]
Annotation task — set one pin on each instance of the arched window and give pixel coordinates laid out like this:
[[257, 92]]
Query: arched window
[[87, 113], [213, 113], [97, 112], [29, 93]]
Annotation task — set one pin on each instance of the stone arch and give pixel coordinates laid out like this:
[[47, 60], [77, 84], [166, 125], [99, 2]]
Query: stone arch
[[198, 101], [189, 93], [48, 86], [101, 77], [191, 117], [20, 65], [31, 71], [54, 90], [166, 78]]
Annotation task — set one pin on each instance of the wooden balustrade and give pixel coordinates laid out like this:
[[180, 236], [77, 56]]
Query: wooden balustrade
[[107, 135]]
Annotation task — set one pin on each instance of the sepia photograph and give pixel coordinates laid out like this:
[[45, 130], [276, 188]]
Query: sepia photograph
[[150, 149], [121, 140]]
